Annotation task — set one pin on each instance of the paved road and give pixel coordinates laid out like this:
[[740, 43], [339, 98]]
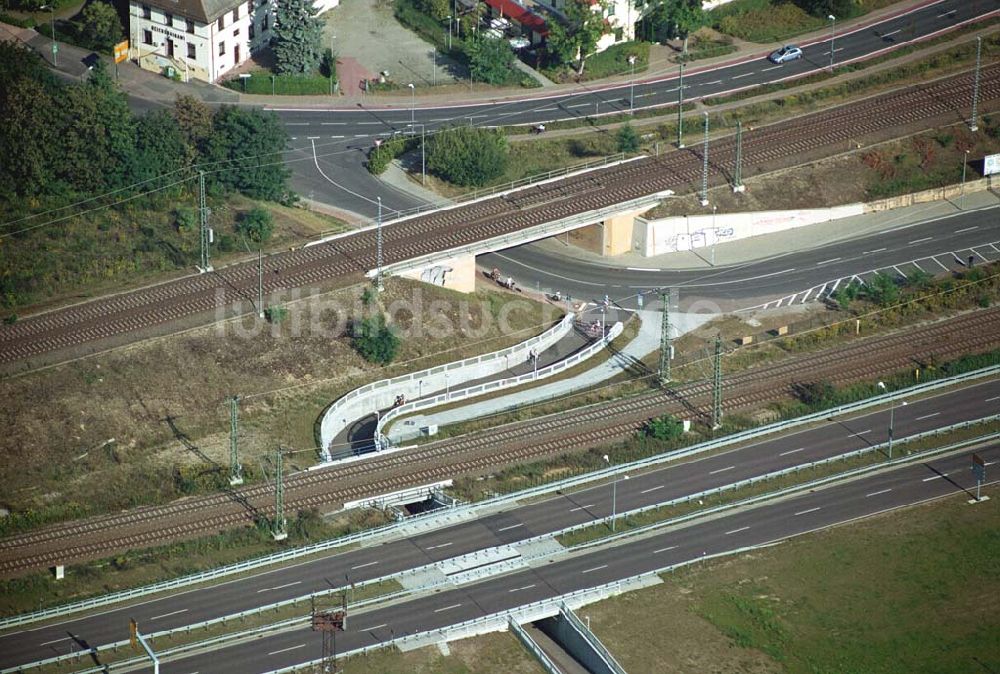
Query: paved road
[[338, 138], [945, 239], [502, 528], [948, 476]]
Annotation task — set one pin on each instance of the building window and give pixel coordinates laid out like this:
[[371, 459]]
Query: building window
[[252, 32], [236, 14], [221, 23], [147, 13], [169, 19], [147, 37], [192, 53], [249, 7], [236, 33], [190, 26], [222, 48]]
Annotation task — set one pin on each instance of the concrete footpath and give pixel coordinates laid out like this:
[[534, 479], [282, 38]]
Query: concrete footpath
[[627, 360]]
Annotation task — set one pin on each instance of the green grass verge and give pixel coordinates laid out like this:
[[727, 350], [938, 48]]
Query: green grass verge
[[611, 62]]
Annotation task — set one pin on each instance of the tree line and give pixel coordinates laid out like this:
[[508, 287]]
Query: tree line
[[62, 141]]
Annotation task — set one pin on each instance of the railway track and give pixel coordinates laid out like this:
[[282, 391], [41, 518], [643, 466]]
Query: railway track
[[494, 449], [343, 261]]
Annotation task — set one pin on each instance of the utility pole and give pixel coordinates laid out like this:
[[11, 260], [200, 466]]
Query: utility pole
[[680, 109], [278, 526], [260, 283], [974, 124], [235, 469], [666, 346], [704, 167], [738, 185], [717, 384], [833, 35], [206, 233], [378, 249]]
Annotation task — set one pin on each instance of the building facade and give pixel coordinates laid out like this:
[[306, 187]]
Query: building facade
[[199, 39]]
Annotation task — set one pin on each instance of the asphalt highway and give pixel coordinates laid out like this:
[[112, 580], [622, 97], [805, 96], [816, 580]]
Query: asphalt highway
[[845, 502], [509, 527], [328, 145], [894, 250]]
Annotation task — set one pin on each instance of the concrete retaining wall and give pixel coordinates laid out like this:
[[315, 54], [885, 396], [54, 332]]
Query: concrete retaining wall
[[669, 235], [951, 192], [382, 394]]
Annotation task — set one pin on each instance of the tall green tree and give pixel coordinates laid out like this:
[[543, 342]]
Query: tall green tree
[[194, 121], [577, 39], [468, 155], [244, 152], [490, 59], [676, 19], [842, 9], [100, 25], [159, 147], [297, 37]]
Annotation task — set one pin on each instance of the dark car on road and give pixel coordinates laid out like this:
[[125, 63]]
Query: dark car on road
[[787, 53]]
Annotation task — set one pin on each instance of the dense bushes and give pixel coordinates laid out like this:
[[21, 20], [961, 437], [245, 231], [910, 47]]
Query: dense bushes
[[468, 156]]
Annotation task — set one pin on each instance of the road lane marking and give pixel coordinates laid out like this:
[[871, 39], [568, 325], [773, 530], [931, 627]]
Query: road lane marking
[[805, 512], [313, 137], [833, 259], [646, 491], [596, 568], [708, 84], [927, 416], [296, 123], [736, 531], [285, 650], [518, 589], [55, 641], [720, 470], [989, 400], [934, 477], [435, 547], [167, 615], [736, 77], [279, 587], [967, 229], [333, 123], [446, 608], [876, 493], [880, 250], [361, 566], [580, 105], [372, 629], [583, 507], [898, 30], [791, 451], [926, 238], [512, 526], [656, 552], [545, 109], [641, 269], [861, 432], [770, 69]]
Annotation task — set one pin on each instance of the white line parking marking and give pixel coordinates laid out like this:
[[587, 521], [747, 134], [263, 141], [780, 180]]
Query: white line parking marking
[[805, 512], [596, 568], [938, 263], [361, 566], [646, 491], [285, 650], [876, 493], [446, 608], [720, 470], [791, 451], [167, 615], [656, 552], [736, 531], [927, 416]]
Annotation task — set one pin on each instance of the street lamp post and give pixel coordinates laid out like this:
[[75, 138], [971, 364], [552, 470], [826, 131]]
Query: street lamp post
[[833, 34], [715, 235], [965, 163], [680, 109], [614, 494], [449, 32], [631, 95], [413, 91], [892, 410], [52, 19]]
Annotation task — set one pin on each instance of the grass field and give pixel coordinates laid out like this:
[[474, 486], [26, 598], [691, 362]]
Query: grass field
[[912, 591]]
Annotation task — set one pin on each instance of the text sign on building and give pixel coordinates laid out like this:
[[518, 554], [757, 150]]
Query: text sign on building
[[121, 51], [991, 164]]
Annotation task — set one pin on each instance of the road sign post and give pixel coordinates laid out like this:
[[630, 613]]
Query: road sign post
[[979, 472]]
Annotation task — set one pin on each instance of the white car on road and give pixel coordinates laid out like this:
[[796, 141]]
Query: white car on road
[[787, 53]]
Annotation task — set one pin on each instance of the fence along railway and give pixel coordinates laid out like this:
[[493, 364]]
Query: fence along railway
[[343, 261], [490, 450]]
